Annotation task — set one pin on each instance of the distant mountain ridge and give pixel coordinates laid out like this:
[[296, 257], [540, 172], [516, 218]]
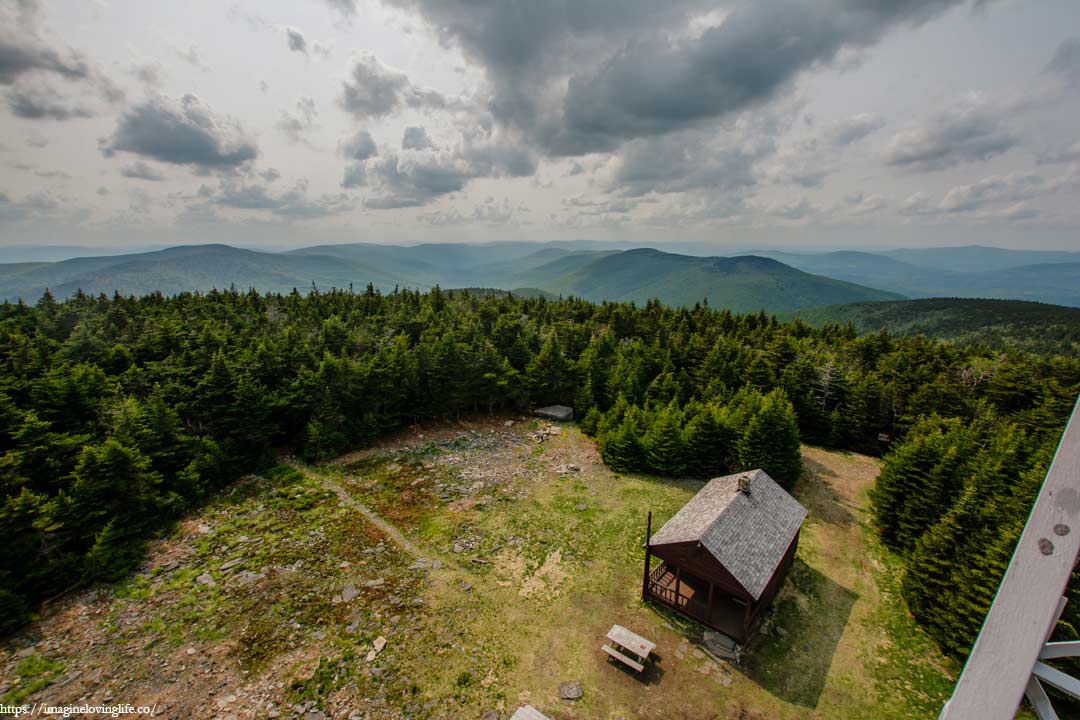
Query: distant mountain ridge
[[1056, 280], [772, 280], [741, 284], [1036, 327]]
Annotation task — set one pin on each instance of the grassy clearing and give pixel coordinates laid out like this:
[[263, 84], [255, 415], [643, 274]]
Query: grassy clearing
[[530, 551]]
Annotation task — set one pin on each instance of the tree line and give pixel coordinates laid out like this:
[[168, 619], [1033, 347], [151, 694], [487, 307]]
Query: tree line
[[118, 414]]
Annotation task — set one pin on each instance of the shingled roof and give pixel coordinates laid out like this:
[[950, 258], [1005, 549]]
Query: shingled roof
[[748, 533]]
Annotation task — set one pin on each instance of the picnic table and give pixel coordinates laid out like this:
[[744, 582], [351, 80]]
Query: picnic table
[[625, 645]]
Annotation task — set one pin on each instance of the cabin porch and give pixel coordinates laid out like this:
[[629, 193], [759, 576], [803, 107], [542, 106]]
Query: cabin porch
[[697, 598]]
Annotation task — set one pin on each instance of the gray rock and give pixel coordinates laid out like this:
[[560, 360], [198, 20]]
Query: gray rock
[[377, 582], [555, 412], [570, 690], [490, 715], [349, 593], [206, 579], [247, 577], [232, 563]]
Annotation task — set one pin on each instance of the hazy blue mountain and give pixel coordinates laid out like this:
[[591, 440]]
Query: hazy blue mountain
[[978, 258], [190, 268], [1053, 282], [448, 264], [743, 284]]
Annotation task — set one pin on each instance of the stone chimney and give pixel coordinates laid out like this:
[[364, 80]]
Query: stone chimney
[[744, 484]]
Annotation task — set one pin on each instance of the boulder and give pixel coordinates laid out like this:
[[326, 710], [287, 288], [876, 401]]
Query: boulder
[[570, 690], [556, 412]]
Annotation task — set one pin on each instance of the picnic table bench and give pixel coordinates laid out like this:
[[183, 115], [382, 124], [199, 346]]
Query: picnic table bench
[[624, 644], [528, 712]]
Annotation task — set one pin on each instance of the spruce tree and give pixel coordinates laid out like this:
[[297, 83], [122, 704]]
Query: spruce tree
[[663, 443], [620, 447], [771, 441], [548, 376], [709, 445]]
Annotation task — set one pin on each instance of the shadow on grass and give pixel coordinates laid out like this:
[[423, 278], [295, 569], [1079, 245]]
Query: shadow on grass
[[791, 657], [651, 675], [819, 497]]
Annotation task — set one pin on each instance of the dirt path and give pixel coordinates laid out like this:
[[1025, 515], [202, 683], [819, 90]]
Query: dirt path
[[346, 499]]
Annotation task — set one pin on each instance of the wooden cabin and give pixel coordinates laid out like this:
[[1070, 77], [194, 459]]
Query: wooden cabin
[[725, 553]]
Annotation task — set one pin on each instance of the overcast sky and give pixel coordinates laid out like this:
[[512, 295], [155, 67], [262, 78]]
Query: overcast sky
[[799, 123]]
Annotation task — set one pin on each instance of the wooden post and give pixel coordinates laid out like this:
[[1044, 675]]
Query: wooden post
[[746, 618], [676, 586], [645, 575], [708, 605]]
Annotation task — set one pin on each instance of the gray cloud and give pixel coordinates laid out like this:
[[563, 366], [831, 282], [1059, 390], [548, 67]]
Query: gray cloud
[[795, 209], [374, 90], [345, 7], [529, 49], [296, 40], [490, 156], [996, 190], [972, 132], [489, 212], [678, 163], [295, 127], [416, 138], [808, 161], [181, 132], [355, 176], [852, 129], [270, 175], [20, 54], [1066, 61], [43, 103], [592, 74], [860, 203], [192, 57], [360, 146], [149, 74], [415, 179], [139, 170], [292, 204], [1064, 155]]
